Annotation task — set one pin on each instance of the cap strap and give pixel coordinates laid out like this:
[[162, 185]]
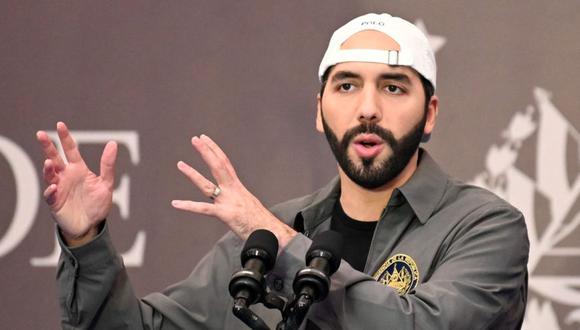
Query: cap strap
[[390, 57]]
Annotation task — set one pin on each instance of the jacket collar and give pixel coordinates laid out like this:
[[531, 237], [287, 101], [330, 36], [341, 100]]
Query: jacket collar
[[422, 191], [320, 209], [425, 188]]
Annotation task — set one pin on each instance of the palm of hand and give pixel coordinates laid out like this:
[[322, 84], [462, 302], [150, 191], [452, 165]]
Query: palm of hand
[[82, 200], [78, 198]]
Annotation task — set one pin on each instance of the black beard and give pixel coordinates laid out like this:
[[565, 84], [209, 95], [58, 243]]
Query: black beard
[[371, 175]]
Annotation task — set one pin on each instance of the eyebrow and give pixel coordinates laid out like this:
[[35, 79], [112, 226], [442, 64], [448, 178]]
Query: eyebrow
[[401, 77], [340, 75]]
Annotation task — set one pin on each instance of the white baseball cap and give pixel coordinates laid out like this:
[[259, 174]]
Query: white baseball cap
[[415, 50]]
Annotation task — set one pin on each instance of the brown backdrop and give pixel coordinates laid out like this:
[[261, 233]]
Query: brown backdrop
[[244, 72]]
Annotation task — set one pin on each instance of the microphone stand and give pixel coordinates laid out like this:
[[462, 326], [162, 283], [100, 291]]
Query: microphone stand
[[296, 313], [245, 314]]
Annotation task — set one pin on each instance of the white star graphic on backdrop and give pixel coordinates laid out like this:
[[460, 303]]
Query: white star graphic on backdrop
[[435, 41]]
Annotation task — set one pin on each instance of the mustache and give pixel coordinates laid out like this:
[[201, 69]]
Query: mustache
[[383, 133]]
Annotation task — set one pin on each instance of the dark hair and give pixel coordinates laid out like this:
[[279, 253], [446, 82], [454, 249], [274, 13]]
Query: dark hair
[[427, 85]]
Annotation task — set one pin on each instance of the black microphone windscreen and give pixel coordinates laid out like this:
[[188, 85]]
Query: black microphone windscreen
[[330, 241], [264, 240]]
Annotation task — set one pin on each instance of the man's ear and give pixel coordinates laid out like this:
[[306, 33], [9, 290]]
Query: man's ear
[[319, 126], [432, 113]]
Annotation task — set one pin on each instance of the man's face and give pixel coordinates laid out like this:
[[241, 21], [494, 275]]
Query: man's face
[[374, 117]]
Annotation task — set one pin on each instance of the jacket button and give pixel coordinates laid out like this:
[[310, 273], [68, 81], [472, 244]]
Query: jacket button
[[278, 284]]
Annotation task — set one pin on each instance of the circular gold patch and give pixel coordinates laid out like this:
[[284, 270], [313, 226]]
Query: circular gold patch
[[400, 272]]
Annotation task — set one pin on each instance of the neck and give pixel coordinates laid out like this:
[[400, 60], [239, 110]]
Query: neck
[[367, 204]]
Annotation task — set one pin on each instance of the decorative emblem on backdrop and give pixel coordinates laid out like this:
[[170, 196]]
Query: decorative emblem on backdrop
[[400, 272], [557, 181]]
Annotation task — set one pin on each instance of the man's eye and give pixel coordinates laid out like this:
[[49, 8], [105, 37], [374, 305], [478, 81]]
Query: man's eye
[[345, 87], [394, 89]]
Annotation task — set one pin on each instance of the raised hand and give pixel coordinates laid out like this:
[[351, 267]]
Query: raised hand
[[232, 202], [78, 199]]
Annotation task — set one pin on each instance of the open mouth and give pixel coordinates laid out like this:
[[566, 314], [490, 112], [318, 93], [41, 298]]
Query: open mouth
[[368, 140], [368, 145]]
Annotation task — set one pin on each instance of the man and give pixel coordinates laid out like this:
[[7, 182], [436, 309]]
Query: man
[[423, 250]]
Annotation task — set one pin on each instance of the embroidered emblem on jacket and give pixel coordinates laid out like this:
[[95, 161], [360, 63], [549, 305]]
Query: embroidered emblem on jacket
[[400, 272]]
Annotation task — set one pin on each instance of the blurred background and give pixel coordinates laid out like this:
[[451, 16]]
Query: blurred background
[[152, 74]]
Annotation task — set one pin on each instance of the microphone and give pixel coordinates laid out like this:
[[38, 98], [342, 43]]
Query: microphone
[[247, 285], [312, 283], [323, 259]]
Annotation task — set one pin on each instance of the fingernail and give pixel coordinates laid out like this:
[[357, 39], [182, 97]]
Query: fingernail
[[205, 137]]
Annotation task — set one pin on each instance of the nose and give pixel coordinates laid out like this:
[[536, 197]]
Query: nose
[[369, 109]]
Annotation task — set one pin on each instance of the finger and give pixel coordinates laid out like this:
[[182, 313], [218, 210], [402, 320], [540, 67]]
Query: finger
[[195, 207], [50, 194], [207, 187], [108, 159], [69, 145], [49, 149], [49, 172], [216, 166], [220, 154]]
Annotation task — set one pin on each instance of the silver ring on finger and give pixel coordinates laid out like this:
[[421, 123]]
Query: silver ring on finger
[[216, 192]]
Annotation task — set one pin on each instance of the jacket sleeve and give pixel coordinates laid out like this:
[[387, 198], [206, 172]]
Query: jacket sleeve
[[479, 282], [95, 292]]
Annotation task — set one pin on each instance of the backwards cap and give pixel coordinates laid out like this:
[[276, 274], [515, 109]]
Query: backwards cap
[[415, 50]]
